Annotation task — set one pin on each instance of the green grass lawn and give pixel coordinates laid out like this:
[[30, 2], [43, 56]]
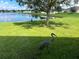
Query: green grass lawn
[[63, 27], [19, 40]]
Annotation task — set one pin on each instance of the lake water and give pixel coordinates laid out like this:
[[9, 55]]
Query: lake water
[[15, 17]]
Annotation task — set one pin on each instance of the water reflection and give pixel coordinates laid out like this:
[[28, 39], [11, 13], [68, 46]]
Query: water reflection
[[15, 17]]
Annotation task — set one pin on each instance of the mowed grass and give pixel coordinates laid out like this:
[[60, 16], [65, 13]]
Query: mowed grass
[[20, 40], [67, 26]]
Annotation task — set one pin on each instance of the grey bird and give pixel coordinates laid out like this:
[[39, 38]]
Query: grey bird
[[47, 42]]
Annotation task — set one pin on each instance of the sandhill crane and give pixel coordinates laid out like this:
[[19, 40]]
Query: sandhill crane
[[44, 44], [47, 42]]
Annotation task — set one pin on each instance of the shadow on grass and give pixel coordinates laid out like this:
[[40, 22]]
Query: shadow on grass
[[42, 23], [25, 47]]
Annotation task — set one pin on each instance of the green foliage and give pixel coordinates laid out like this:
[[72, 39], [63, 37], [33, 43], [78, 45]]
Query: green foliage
[[73, 9], [58, 8]]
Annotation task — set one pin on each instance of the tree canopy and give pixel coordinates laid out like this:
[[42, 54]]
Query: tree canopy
[[41, 5]]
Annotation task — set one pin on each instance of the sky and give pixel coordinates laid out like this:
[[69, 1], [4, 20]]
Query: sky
[[13, 5], [10, 5], [72, 4]]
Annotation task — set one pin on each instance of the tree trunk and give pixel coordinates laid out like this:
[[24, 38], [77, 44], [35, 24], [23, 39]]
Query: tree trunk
[[47, 18]]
